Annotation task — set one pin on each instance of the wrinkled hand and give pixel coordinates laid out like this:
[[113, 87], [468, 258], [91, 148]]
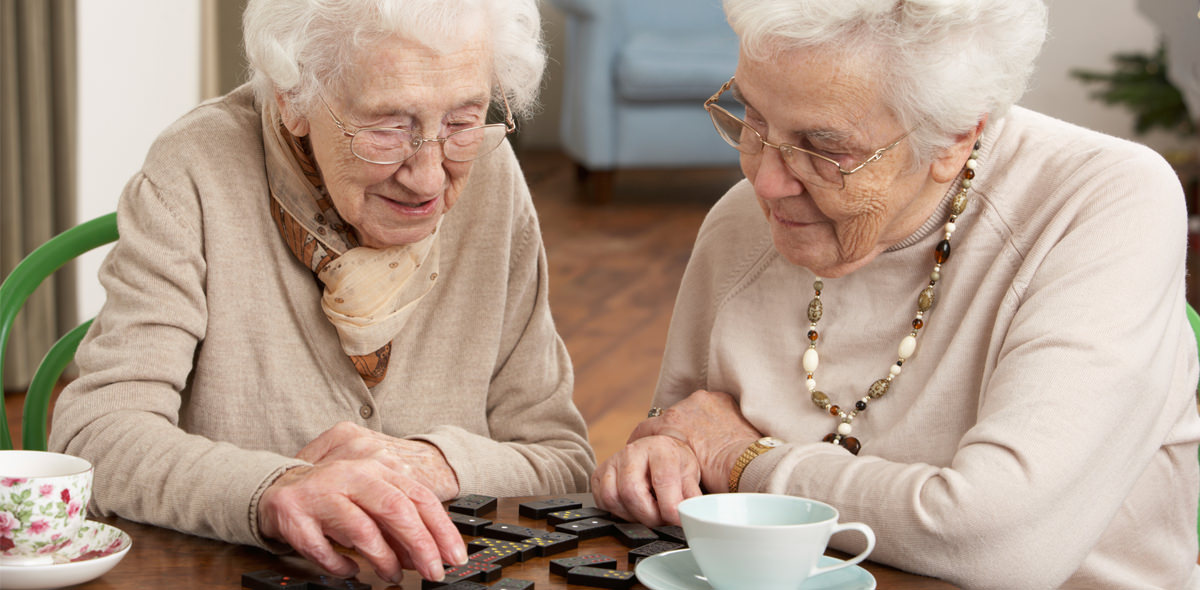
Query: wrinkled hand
[[392, 520], [646, 481], [414, 459], [712, 425]]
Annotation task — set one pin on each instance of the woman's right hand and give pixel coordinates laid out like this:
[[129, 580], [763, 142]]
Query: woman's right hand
[[646, 480], [393, 521]]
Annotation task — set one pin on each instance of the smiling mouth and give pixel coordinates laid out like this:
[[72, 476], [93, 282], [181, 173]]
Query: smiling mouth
[[407, 208]]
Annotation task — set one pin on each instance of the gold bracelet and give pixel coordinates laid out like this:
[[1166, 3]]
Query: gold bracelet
[[759, 447]]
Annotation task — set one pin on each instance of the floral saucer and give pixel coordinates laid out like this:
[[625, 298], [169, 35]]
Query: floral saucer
[[97, 548]]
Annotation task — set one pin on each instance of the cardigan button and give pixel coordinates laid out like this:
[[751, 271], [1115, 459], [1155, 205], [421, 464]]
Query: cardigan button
[[365, 411]]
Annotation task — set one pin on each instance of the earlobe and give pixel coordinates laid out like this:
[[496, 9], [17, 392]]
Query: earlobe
[[296, 123], [949, 163]]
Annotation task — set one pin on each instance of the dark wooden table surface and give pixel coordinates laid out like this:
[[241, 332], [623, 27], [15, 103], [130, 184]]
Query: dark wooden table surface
[[161, 558]]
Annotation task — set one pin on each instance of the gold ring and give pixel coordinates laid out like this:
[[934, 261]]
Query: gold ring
[[654, 412]]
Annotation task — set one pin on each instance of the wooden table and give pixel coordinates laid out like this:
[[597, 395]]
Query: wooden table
[[161, 558]]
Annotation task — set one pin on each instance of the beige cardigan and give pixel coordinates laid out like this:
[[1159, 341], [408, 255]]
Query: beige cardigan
[[211, 363], [1045, 432]]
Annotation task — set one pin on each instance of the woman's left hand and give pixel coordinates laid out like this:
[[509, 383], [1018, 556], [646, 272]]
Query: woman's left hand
[[711, 423], [417, 460]]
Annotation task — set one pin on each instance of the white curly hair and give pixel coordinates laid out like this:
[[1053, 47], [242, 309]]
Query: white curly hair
[[940, 65], [302, 48]]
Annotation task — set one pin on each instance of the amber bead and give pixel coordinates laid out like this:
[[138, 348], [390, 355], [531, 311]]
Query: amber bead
[[942, 253], [925, 299], [829, 437], [814, 310], [878, 388], [835, 410], [969, 174], [918, 324], [812, 335], [851, 444]]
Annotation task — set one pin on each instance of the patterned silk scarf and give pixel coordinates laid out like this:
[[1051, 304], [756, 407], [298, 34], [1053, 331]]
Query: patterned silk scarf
[[369, 293]]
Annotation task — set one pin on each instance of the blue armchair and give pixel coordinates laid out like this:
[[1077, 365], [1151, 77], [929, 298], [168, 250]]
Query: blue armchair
[[636, 75]]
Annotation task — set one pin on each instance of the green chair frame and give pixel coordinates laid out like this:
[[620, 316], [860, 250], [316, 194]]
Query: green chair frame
[[16, 289], [1194, 320]]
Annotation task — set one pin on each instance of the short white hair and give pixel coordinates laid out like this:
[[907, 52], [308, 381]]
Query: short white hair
[[940, 65], [301, 48]]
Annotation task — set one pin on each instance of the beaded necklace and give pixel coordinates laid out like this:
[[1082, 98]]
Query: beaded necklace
[[810, 360]]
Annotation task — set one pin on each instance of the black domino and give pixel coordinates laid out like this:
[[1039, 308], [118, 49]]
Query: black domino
[[271, 580], [552, 543], [600, 577], [467, 524], [633, 534], [555, 518], [639, 553], [510, 532], [671, 533], [523, 551], [472, 571], [473, 504], [511, 584], [539, 509], [332, 583], [462, 586], [496, 555], [588, 528], [561, 565]]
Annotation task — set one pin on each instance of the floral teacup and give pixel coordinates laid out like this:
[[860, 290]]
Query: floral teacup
[[43, 502]]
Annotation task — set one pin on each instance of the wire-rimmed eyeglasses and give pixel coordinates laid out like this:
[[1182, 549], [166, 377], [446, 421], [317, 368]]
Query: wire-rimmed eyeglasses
[[391, 145], [818, 169]]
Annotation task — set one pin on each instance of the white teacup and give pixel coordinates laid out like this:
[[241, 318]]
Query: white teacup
[[43, 502], [762, 541]]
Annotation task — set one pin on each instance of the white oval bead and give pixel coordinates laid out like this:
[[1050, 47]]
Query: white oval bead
[[811, 360], [812, 384], [844, 428], [907, 346], [971, 163], [895, 370], [950, 227]]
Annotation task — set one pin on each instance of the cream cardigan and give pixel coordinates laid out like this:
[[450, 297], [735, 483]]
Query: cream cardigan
[[1045, 432], [211, 363]]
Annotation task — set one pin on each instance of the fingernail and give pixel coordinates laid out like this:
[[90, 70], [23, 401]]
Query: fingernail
[[460, 556], [396, 579]]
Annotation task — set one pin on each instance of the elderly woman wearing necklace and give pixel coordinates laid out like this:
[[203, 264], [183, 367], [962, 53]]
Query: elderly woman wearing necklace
[[955, 320], [327, 310]]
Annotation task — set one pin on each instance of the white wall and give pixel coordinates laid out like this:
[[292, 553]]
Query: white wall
[[1085, 34], [139, 70]]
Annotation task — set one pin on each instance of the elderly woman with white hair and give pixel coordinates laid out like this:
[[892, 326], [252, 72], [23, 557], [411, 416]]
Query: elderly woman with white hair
[[1017, 410], [327, 311]]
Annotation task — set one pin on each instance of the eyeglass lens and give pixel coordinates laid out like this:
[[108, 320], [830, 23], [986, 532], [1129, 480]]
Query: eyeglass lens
[[392, 146], [737, 133]]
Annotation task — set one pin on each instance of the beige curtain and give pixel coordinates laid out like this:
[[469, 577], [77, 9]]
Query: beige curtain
[[37, 166]]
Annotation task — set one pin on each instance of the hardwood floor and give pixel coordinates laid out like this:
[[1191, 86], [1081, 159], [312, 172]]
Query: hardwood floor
[[614, 272]]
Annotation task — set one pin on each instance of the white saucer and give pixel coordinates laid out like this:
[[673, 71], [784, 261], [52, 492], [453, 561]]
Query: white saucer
[[677, 570], [97, 548]]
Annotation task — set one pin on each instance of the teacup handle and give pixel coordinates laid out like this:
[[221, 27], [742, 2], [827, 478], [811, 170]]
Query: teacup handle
[[849, 526]]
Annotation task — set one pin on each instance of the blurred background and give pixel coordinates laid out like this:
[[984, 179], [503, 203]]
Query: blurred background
[[88, 84]]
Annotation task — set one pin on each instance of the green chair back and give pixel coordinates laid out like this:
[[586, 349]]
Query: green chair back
[[1194, 320], [26, 277]]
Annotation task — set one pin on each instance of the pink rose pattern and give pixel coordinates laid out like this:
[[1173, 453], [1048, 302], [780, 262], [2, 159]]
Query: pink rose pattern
[[34, 515]]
